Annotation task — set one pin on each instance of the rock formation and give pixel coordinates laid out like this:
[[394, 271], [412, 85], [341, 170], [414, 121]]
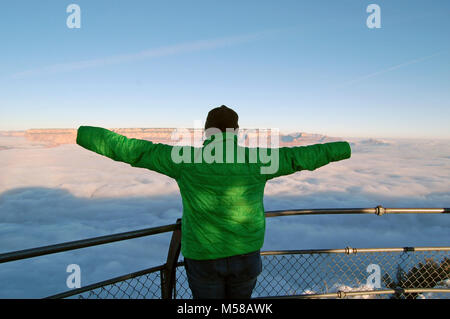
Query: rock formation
[[171, 136]]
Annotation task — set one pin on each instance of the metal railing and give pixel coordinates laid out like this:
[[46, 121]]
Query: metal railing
[[331, 273], [410, 272]]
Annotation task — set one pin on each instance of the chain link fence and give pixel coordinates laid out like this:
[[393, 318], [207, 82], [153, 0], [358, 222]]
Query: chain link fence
[[142, 286], [317, 272], [146, 286], [324, 273]]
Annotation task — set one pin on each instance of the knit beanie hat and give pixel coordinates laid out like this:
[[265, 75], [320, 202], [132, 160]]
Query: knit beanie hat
[[222, 118]]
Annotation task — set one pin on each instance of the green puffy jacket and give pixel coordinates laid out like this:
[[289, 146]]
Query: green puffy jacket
[[223, 211]]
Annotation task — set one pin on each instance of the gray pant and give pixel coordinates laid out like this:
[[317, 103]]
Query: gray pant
[[230, 277]]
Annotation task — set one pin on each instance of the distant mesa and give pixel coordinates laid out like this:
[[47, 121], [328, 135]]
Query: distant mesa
[[55, 137], [12, 133], [372, 141], [52, 137]]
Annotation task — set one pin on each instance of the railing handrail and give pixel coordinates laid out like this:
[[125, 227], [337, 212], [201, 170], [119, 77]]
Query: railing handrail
[[343, 294], [89, 242], [379, 210], [350, 250]]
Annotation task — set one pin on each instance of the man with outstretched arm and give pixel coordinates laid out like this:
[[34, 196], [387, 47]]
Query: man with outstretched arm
[[223, 221]]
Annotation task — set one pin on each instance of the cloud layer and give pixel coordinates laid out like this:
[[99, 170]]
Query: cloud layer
[[52, 195]]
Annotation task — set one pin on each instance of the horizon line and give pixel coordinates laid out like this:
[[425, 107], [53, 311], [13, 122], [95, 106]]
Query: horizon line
[[281, 131]]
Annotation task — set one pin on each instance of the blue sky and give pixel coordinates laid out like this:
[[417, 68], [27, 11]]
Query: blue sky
[[309, 66]]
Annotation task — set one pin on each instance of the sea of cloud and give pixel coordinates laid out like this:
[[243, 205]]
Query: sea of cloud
[[50, 195]]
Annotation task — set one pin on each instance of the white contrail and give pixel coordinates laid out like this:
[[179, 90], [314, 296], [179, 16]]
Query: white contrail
[[151, 53], [391, 68]]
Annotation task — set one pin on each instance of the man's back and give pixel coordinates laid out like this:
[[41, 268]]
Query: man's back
[[223, 212], [221, 184]]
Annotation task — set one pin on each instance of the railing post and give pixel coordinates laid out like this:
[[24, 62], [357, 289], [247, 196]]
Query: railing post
[[168, 275], [162, 274]]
